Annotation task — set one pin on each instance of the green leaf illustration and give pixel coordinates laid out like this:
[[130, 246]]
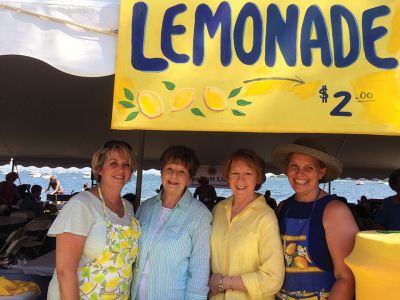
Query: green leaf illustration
[[238, 113], [127, 104], [234, 92], [242, 102], [131, 116], [197, 112], [128, 94], [169, 85]]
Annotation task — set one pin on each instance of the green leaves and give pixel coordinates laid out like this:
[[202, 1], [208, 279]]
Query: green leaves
[[128, 94], [242, 102], [197, 112], [235, 92], [127, 104], [169, 85], [238, 113], [132, 116]]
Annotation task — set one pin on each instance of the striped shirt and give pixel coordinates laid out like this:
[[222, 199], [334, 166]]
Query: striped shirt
[[179, 255]]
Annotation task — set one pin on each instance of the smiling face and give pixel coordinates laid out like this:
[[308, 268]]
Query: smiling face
[[242, 179], [175, 178], [116, 170], [304, 173]]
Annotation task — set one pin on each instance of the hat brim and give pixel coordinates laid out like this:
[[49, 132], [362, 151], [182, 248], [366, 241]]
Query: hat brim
[[280, 157]]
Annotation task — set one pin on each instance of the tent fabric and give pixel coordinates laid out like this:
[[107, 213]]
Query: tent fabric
[[51, 117], [62, 46]]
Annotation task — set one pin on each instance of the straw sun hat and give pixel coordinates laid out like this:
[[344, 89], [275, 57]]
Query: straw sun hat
[[307, 146]]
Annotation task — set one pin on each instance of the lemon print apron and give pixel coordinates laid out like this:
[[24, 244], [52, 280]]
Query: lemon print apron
[[304, 278], [110, 275]]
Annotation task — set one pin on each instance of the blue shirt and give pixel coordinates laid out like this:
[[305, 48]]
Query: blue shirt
[[179, 255]]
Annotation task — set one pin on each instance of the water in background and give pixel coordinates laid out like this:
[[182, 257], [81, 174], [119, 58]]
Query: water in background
[[72, 180]]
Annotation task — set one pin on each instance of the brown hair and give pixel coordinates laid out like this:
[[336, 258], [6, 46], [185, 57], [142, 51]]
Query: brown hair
[[181, 155], [252, 159], [100, 156]]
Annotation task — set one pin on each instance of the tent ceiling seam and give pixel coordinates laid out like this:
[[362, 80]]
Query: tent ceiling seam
[[112, 32]]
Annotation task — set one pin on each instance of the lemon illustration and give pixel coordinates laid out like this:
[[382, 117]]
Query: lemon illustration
[[182, 99], [104, 258], [300, 263], [108, 296], [127, 272], [291, 248], [87, 287], [150, 104], [119, 262], [215, 99], [112, 284]]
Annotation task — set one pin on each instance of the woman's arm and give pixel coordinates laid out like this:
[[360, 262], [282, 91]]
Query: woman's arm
[[199, 261], [340, 231], [69, 249]]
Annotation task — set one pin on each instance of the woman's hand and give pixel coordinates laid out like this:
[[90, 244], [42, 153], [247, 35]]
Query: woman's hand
[[213, 283]]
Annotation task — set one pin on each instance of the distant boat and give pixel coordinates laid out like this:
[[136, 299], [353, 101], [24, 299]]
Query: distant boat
[[35, 174], [359, 182], [46, 176], [87, 175]]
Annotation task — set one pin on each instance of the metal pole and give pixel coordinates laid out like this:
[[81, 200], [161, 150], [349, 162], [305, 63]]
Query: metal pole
[[139, 172]]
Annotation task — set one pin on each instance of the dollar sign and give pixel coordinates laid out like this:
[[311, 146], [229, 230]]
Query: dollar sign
[[323, 94]]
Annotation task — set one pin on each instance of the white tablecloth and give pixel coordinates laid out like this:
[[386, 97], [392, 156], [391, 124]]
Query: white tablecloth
[[25, 296], [42, 266]]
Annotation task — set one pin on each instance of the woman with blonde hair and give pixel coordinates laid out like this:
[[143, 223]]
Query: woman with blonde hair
[[97, 234], [55, 185], [246, 252]]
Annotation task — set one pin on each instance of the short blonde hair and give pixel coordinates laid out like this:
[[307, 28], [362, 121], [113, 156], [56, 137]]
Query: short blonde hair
[[100, 156], [252, 159]]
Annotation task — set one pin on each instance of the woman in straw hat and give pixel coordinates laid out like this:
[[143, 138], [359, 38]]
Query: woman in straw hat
[[317, 230]]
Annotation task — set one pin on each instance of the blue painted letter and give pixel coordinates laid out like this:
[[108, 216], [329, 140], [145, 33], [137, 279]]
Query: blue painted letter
[[314, 17], [370, 35], [204, 16], [169, 29], [138, 60]]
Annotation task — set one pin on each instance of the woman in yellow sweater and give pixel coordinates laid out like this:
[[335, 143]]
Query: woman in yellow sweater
[[246, 252]]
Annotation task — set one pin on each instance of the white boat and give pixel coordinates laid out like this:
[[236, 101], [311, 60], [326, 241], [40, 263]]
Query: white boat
[[359, 182], [35, 174], [87, 175]]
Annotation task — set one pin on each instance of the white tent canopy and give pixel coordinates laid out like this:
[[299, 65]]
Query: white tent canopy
[[44, 29], [56, 86]]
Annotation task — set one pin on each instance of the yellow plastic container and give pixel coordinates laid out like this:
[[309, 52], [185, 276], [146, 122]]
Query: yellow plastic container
[[375, 262]]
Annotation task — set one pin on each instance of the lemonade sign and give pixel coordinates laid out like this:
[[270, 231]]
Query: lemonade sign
[[289, 66]]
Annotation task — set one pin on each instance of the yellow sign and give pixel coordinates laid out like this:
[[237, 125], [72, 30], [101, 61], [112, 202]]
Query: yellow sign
[[289, 66]]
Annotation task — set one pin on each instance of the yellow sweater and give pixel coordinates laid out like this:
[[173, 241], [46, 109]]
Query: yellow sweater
[[249, 246]]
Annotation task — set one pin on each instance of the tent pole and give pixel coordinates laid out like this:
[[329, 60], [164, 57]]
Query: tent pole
[[139, 172]]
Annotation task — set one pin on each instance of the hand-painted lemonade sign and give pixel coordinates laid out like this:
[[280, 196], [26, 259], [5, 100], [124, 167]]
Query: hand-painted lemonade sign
[[290, 66]]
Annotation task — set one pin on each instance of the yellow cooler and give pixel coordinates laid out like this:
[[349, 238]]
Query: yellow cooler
[[375, 262]]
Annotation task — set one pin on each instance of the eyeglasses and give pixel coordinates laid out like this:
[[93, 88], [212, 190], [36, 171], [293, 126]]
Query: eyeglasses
[[112, 144]]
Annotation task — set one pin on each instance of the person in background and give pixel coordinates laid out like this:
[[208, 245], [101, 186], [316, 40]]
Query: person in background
[[97, 234], [246, 251], [317, 229], [270, 201], [389, 217], [8, 190], [174, 251], [55, 185], [205, 192], [85, 187], [31, 202], [131, 197]]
